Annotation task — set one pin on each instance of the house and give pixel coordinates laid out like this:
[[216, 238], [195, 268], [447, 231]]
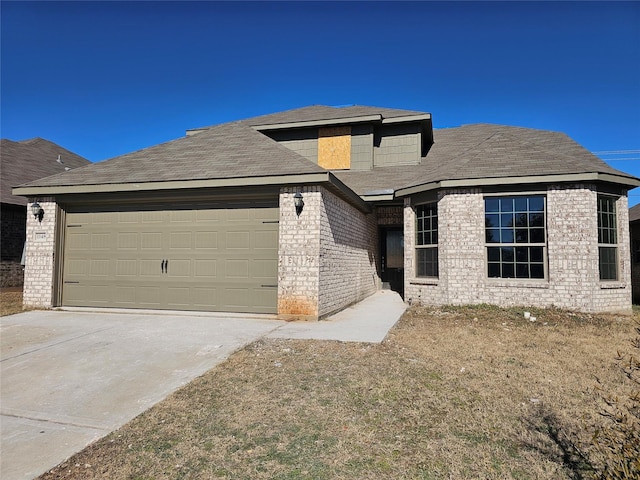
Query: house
[[634, 229], [22, 162], [304, 212]]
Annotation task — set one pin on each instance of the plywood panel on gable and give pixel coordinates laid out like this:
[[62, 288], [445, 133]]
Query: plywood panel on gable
[[334, 147]]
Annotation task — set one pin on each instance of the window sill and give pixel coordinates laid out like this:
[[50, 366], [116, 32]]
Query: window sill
[[424, 281], [510, 283], [611, 285]]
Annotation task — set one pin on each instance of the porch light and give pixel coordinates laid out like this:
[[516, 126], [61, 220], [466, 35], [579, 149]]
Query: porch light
[[37, 211], [298, 202]]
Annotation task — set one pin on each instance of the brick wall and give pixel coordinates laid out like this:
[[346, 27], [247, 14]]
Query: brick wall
[[573, 275], [348, 248], [327, 258], [39, 260]]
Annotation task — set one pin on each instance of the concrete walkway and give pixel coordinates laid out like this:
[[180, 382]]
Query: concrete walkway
[[69, 378]]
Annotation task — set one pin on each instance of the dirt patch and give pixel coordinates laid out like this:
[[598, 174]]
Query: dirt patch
[[470, 392], [10, 301]]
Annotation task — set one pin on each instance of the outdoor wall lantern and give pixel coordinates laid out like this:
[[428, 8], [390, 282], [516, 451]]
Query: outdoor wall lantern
[[298, 202], [37, 211]]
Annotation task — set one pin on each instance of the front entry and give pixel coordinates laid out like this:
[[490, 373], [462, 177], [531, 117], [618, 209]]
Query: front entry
[[392, 258]]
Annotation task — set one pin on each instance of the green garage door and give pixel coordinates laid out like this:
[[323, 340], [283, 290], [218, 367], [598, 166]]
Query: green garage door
[[218, 258]]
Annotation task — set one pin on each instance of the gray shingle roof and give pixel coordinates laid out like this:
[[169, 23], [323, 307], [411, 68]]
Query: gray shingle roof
[[323, 112], [485, 151], [28, 160], [236, 150], [230, 150]]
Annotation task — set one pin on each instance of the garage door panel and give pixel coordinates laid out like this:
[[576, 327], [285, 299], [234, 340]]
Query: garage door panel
[[206, 268], [126, 267], [179, 268], [236, 240], [264, 269], [128, 240], [151, 241], [206, 240], [219, 258], [204, 297]]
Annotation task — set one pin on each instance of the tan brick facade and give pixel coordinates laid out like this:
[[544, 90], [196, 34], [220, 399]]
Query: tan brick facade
[[39, 258], [327, 255], [572, 253]]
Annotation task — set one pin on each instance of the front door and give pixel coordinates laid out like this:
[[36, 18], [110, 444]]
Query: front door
[[392, 258]]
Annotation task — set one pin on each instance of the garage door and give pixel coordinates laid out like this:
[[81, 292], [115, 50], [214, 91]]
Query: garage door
[[222, 257]]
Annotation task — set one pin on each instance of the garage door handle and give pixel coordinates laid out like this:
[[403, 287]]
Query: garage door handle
[[163, 266], [166, 266]]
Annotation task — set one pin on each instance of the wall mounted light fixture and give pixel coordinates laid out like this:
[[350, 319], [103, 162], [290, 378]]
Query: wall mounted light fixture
[[37, 211], [298, 202]]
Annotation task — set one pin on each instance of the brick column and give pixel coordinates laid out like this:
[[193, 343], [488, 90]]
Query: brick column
[[299, 254], [39, 258]]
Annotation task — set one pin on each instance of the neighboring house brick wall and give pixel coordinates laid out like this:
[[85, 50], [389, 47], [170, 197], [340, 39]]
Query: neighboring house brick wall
[[11, 274], [40, 247], [573, 278], [327, 258], [13, 228], [635, 260]]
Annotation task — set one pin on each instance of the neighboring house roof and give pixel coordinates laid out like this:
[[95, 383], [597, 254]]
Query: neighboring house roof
[[634, 213], [468, 155], [28, 160]]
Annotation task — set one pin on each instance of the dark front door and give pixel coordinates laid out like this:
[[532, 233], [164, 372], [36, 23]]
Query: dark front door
[[392, 258]]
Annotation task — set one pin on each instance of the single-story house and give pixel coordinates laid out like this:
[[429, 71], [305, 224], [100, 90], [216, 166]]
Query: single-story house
[[22, 162], [304, 212]]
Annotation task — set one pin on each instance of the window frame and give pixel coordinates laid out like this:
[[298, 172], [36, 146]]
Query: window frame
[[420, 245], [605, 232], [513, 242]]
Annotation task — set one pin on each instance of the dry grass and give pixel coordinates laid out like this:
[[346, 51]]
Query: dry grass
[[471, 392], [10, 301]]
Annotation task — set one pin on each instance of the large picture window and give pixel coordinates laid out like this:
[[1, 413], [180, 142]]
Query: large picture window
[[607, 238], [427, 240], [515, 236]]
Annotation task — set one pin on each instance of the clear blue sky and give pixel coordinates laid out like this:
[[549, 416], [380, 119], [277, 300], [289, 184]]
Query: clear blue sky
[[107, 78]]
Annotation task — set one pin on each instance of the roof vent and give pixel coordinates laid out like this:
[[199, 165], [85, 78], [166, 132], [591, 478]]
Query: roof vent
[[59, 160]]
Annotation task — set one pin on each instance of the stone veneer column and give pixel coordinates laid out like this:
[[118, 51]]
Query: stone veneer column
[[39, 258], [299, 254]]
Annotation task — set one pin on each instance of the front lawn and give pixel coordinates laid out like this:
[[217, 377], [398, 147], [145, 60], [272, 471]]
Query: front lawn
[[466, 392]]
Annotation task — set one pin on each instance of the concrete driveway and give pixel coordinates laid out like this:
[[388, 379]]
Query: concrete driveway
[[69, 378]]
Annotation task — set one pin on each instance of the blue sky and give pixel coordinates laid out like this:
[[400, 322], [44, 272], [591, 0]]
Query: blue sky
[[107, 78]]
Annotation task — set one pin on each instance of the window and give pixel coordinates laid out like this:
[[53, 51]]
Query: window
[[427, 240], [607, 238], [515, 236]]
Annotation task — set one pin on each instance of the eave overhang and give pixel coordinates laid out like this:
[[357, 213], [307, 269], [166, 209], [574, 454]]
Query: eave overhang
[[326, 178], [630, 182]]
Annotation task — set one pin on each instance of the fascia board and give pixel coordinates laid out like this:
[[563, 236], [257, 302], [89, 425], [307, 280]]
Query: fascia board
[[480, 182], [319, 123], [407, 118], [320, 177]]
